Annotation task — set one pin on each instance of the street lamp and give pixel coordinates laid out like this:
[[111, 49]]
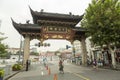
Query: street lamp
[[20, 51]]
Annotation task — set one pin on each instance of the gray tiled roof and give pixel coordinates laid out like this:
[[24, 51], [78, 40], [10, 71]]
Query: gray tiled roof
[[55, 16], [60, 15]]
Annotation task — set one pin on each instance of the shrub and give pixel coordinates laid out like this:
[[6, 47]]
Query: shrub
[[16, 67], [2, 72]]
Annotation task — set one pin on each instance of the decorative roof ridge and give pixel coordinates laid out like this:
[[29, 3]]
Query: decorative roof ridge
[[15, 23], [53, 14], [45, 13]]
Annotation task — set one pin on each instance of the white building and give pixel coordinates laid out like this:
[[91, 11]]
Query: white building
[[13, 50]]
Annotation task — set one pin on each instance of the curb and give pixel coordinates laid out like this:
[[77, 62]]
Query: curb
[[11, 75]]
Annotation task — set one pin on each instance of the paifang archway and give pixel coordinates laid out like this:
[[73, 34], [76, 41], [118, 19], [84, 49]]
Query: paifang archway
[[51, 26]]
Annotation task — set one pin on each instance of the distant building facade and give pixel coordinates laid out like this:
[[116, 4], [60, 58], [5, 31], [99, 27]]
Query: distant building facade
[[13, 50]]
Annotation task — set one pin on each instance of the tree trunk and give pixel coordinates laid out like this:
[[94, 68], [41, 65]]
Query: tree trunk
[[112, 52]]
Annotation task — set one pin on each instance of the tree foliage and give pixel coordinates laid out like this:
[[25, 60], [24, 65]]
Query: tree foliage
[[102, 20], [34, 53], [3, 51]]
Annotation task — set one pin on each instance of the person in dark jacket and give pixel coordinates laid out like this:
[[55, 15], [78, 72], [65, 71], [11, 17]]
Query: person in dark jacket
[[61, 66], [95, 64], [27, 65]]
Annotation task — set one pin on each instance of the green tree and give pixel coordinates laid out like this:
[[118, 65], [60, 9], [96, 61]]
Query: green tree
[[34, 53], [102, 20], [3, 52]]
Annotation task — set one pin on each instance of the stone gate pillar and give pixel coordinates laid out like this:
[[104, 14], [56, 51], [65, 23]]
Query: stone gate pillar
[[26, 49], [84, 51]]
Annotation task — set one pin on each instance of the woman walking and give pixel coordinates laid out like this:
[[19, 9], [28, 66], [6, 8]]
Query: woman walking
[[61, 66]]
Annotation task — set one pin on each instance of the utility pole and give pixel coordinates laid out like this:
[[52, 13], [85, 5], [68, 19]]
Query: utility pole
[[20, 50]]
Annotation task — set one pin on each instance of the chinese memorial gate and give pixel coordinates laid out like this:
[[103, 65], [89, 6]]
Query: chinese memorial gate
[[52, 26]]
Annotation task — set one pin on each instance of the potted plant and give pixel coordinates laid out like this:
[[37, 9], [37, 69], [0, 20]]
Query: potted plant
[[1, 74]]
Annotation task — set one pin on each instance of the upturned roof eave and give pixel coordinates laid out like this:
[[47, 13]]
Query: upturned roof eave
[[15, 26], [35, 14], [24, 26], [19, 27]]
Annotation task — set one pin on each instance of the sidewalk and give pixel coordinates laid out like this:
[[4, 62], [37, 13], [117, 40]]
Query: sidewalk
[[108, 67], [102, 67]]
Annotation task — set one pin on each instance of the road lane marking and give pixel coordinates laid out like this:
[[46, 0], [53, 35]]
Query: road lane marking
[[42, 73], [81, 76]]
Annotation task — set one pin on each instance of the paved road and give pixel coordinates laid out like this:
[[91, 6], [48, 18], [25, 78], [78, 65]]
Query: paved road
[[88, 73], [39, 72], [72, 72]]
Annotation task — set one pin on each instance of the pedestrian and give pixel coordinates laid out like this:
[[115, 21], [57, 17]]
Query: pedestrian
[[99, 62], [61, 66], [27, 65], [45, 61], [95, 64]]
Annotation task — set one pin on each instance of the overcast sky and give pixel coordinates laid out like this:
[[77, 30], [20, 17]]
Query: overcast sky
[[19, 11]]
